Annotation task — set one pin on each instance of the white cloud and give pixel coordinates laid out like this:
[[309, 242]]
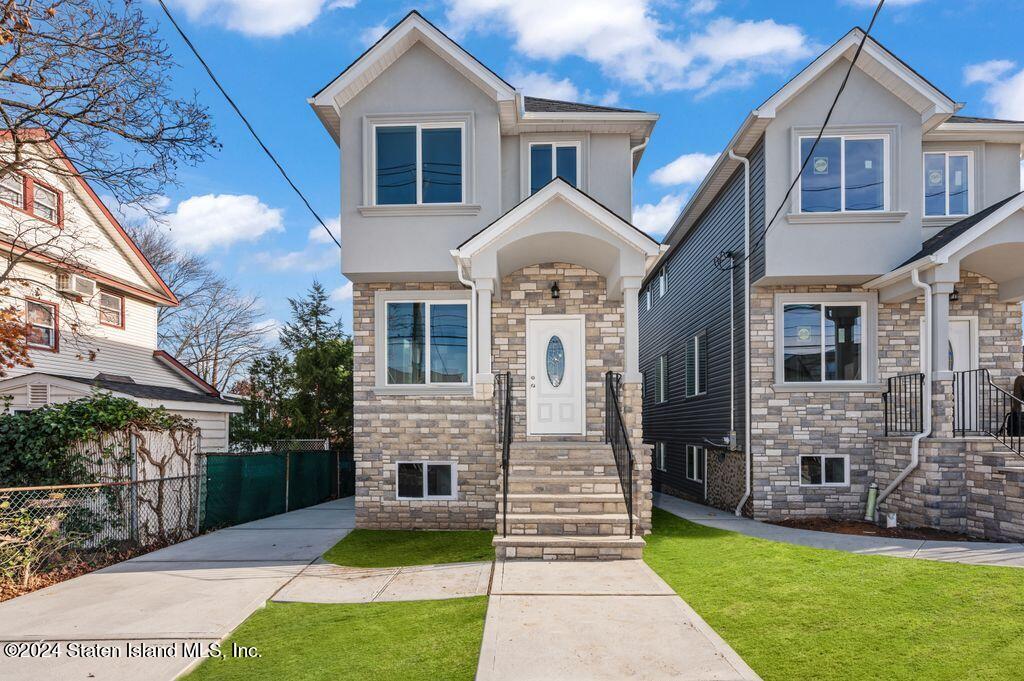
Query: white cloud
[[657, 218], [702, 7], [318, 254], [372, 34], [1005, 89], [537, 84], [628, 41], [687, 169], [342, 294], [204, 222], [318, 235], [261, 18], [271, 329]]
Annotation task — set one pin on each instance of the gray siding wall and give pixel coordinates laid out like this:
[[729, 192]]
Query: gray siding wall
[[698, 300]]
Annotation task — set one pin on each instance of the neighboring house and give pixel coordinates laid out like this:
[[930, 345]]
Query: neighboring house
[[487, 237], [892, 277], [91, 299]]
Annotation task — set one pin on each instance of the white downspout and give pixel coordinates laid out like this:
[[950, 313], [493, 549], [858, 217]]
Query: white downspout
[[632, 154], [926, 368], [746, 326], [475, 361]]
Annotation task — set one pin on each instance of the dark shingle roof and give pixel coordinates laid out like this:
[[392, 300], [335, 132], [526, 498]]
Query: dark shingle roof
[[950, 233], [539, 104], [147, 392], [978, 119]]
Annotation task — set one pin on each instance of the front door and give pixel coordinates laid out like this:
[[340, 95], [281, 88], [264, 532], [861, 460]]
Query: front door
[[963, 356], [555, 378]]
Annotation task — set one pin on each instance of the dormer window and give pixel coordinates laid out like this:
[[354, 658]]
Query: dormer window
[[418, 164], [548, 159], [947, 183], [845, 174]]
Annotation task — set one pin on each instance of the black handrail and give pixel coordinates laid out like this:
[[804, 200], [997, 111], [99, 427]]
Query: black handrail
[[617, 435], [503, 420], [904, 405], [983, 408]]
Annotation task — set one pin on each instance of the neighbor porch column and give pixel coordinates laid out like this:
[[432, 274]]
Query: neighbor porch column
[[631, 309], [940, 329]]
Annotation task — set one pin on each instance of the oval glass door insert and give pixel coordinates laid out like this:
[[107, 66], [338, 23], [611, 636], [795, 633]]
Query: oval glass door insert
[[555, 361]]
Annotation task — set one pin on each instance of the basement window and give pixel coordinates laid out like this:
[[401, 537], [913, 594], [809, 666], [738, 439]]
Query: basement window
[[694, 463], [426, 480], [817, 470]]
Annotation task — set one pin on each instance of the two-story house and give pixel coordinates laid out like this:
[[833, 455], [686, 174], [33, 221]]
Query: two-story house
[[90, 299], [488, 240], [805, 345]]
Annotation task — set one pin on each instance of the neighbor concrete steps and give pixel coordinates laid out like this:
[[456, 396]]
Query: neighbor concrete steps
[[570, 548]]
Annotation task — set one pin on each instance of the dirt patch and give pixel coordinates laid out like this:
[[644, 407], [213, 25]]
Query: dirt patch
[[863, 528]]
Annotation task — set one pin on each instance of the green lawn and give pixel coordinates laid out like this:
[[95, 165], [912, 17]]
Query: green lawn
[[799, 613], [396, 641], [395, 548]]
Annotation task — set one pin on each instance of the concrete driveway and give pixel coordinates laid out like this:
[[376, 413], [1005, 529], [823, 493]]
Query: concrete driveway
[[195, 592]]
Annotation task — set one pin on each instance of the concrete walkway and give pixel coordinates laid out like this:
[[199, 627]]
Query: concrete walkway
[[975, 553], [596, 620], [197, 591]]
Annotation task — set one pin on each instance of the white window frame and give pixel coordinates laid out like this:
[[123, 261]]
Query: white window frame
[[426, 464], [554, 159], [39, 190], [648, 300], [428, 303], [21, 192], [662, 282], [659, 457], [886, 175], [420, 127], [693, 455], [869, 343], [846, 470], [694, 346], [53, 327], [661, 379], [970, 183]]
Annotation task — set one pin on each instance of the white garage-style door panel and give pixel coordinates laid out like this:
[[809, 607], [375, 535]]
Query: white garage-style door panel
[[555, 375]]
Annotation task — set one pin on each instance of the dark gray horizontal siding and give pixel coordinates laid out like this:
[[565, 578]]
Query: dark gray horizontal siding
[[757, 213], [698, 300]]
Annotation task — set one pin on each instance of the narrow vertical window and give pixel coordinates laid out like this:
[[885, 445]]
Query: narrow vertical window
[[696, 365], [42, 322], [396, 165], [662, 282], [648, 300], [947, 184], [694, 463], [661, 380], [659, 456], [442, 165]]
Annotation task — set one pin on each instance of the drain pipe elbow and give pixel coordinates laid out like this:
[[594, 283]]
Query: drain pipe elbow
[[746, 330], [926, 368]]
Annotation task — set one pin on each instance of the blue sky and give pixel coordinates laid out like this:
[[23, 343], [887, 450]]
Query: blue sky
[[701, 64]]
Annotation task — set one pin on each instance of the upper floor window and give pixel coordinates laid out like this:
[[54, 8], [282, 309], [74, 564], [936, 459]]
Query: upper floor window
[[427, 343], [846, 173], [662, 282], [31, 196], [42, 322], [111, 309], [696, 365], [648, 296], [659, 456], [661, 380], [823, 342], [947, 183], [418, 164], [548, 159]]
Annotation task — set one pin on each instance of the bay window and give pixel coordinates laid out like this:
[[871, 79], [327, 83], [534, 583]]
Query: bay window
[[551, 159], [427, 343], [845, 173], [418, 163], [823, 342], [947, 183]]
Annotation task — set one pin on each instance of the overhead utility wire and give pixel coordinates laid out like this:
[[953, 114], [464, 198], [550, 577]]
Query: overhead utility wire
[[245, 120], [785, 199]]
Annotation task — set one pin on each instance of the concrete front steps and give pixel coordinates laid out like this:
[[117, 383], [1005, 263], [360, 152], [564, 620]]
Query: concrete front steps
[[565, 503]]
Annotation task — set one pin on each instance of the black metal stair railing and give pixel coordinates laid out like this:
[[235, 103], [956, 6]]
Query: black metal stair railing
[[983, 408], [617, 435], [503, 420], [904, 405]]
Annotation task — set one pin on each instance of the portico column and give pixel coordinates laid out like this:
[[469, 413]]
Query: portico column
[[484, 292], [631, 308], [940, 329]]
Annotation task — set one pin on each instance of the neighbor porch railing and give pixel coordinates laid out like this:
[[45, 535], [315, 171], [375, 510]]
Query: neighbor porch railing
[[503, 420], [983, 408], [904, 405], [617, 435]]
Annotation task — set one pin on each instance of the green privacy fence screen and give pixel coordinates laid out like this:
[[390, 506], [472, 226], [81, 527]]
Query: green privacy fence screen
[[245, 487]]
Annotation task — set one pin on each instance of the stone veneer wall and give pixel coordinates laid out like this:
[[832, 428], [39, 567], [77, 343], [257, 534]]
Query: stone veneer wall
[[726, 478], [392, 428], [786, 425]]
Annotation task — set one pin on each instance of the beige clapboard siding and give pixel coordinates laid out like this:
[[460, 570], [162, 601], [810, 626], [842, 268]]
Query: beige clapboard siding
[[213, 427]]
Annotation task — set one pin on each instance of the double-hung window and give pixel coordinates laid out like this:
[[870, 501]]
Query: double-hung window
[[44, 203], [659, 456], [426, 480], [696, 365], [661, 380], [824, 470], [12, 190], [846, 173], [427, 343], [551, 159], [947, 183], [42, 324], [111, 309], [823, 342], [419, 164], [694, 463]]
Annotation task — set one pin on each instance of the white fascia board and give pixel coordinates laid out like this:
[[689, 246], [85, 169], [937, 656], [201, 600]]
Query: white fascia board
[[888, 278], [175, 405]]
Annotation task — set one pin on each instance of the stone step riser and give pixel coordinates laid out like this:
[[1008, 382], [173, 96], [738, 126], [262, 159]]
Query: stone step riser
[[567, 507], [559, 468], [567, 527], [567, 553], [603, 485]]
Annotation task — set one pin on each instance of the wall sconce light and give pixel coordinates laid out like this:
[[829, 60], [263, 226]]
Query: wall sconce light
[[555, 293], [954, 296]]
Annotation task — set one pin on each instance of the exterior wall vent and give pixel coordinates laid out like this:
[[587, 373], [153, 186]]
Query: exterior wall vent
[[38, 394]]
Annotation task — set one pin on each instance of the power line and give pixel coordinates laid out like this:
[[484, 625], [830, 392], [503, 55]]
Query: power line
[[810, 152], [245, 120]]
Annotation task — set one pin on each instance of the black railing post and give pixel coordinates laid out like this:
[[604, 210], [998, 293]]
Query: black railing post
[[618, 436], [504, 428]]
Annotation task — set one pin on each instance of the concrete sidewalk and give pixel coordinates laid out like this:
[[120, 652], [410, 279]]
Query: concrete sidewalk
[[975, 553], [195, 591], [549, 620]]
